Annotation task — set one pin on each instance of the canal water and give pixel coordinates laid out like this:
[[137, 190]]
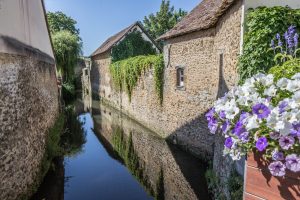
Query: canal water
[[122, 160]]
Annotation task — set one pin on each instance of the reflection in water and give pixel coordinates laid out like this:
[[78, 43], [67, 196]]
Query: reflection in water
[[165, 171], [130, 162]]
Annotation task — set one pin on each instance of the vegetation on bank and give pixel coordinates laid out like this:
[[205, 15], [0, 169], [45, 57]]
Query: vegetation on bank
[[126, 73], [234, 184], [65, 138], [262, 24], [67, 46]]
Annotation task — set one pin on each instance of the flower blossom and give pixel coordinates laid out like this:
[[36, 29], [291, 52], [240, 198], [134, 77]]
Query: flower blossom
[[277, 168], [293, 162]]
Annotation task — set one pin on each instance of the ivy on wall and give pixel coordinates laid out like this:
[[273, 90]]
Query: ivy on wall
[[133, 45], [262, 24], [126, 73]]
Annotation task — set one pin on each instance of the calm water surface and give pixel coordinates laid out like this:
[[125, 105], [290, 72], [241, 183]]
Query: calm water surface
[[123, 160]]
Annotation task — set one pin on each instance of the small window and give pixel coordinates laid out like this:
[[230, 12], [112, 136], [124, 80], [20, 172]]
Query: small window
[[180, 77], [86, 72]]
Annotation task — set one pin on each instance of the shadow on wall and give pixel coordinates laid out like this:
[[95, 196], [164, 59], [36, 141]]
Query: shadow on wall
[[192, 170], [12, 44], [95, 80], [194, 137]]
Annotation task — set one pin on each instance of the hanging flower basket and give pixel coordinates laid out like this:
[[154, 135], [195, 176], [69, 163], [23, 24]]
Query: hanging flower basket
[[263, 116]]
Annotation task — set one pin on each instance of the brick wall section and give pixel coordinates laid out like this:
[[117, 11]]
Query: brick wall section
[[181, 117], [28, 107]]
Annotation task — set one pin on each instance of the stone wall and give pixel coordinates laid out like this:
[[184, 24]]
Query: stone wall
[[28, 107], [227, 43], [180, 118]]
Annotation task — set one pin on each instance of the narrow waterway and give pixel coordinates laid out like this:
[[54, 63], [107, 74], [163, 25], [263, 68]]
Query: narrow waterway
[[123, 160]]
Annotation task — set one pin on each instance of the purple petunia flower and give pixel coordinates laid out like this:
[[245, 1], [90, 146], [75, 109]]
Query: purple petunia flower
[[282, 106], [277, 155], [210, 114], [261, 143], [244, 137], [292, 162], [286, 142], [243, 116], [228, 142], [222, 115], [213, 126], [295, 132], [261, 110], [274, 135], [277, 168], [239, 128], [225, 126]]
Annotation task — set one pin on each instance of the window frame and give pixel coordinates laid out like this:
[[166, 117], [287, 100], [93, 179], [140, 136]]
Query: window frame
[[180, 78]]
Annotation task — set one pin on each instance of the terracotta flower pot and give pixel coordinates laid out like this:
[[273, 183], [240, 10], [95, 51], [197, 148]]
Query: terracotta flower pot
[[260, 184]]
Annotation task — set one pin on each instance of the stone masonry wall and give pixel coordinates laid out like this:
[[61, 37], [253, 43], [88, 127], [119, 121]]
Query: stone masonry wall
[[181, 116], [227, 42], [28, 107]]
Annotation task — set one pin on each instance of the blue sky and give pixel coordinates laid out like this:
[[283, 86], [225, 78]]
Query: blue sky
[[99, 19]]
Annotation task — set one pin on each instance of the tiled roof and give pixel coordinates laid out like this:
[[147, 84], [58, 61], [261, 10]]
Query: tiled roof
[[204, 16], [110, 42]]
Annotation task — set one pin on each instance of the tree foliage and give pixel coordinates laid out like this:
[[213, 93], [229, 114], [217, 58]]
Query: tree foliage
[[66, 43], [262, 24], [67, 49], [163, 20], [132, 45], [58, 21]]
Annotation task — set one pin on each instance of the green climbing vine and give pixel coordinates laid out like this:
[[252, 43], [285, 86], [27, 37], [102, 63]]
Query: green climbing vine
[[126, 73], [262, 24]]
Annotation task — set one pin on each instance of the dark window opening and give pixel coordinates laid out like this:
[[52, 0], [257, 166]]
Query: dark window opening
[[180, 77]]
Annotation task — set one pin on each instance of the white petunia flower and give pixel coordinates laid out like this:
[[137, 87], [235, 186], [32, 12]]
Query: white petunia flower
[[293, 85], [271, 91], [252, 123], [282, 83], [296, 76], [231, 109]]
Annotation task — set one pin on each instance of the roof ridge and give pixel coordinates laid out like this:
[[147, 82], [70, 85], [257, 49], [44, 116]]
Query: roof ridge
[[112, 40], [205, 15]]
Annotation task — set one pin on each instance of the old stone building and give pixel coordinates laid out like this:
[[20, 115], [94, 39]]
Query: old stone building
[[101, 59], [28, 95], [201, 54]]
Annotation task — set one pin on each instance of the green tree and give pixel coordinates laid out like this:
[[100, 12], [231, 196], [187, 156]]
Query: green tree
[[66, 43], [163, 20], [58, 21], [67, 49], [132, 45]]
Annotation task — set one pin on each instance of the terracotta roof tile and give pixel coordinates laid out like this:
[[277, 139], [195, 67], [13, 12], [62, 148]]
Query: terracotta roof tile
[[204, 16], [110, 42]]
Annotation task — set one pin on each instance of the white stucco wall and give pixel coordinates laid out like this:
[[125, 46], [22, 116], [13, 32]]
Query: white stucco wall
[[257, 3], [270, 3], [24, 21]]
